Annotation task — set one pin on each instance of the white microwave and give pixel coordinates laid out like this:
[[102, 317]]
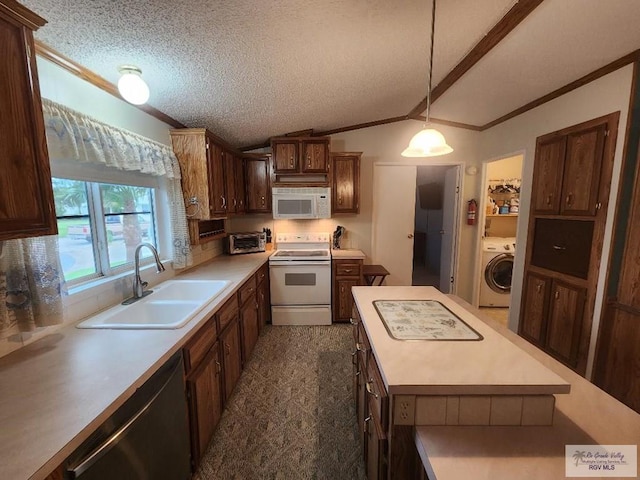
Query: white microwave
[[301, 202]]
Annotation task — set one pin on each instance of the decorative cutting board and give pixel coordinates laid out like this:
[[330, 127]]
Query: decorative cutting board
[[423, 320]]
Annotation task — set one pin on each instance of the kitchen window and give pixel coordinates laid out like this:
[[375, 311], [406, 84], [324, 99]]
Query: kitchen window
[[101, 224]]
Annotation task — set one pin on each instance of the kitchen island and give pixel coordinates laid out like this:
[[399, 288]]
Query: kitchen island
[[427, 395]]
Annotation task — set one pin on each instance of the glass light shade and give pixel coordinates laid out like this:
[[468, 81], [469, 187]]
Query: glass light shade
[[428, 142], [132, 87]]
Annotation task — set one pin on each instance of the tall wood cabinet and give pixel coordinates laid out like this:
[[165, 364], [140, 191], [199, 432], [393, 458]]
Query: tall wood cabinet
[[347, 273], [258, 184], [27, 208], [345, 185], [570, 191]]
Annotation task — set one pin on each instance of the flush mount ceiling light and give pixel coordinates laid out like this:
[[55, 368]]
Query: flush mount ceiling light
[[428, 142], [131, 85]]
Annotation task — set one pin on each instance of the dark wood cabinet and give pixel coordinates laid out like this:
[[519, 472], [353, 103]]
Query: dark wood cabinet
[[264, 297], [536, 297], [547, 177], [315, 156], [26, 195], [258, 184], [234, 183], [570, 192], [250, 328], [376, 448], [567, 171], [285, 155], [345, 188], [204, 387], [346, 273], [231, 350], [303, 160], [203, 368], [217, 181]]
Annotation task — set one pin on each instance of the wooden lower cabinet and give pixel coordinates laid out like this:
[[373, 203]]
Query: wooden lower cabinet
[[204, 390], [376, 462], [553, 316], [347, 273], [231, 356], [250, 324], [264, 298]]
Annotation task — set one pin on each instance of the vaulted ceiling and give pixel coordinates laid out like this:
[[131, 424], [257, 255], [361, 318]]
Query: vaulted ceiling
[[251, 69]]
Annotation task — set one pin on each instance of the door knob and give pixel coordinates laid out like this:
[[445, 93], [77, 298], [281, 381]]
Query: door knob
[[410, 235]]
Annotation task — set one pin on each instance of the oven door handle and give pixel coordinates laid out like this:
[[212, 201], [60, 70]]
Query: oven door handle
[[298, 263]]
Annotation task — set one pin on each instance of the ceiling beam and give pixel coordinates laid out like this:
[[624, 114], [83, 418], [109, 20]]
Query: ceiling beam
[[45, 51], [588, 78], [509, 22]]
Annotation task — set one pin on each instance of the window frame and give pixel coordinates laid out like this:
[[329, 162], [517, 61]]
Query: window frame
[[95, 175]]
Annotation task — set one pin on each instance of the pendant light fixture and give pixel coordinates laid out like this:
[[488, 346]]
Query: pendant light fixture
[[131, 85], [428, 142]]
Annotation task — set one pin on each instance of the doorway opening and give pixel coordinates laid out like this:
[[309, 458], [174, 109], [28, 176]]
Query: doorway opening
[[500, 209], [415, 223]]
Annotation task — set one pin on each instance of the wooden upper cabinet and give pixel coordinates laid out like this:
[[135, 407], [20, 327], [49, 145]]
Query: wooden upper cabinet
[[581, 177], [547, 177], [315, 156], [27, 207], [568, 170], [217, 181], [258, 184], [202, 173], [345, 188], [300, 155], [238, 169], [285, 156], [230, 183]]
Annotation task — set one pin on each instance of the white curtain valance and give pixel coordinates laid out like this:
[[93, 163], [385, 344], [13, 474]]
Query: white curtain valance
[[72, 135]]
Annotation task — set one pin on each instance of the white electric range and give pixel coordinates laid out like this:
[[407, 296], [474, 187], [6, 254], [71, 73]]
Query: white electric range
[[300, 274]]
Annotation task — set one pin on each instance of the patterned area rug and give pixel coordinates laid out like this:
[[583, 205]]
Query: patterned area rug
[[291, 415]]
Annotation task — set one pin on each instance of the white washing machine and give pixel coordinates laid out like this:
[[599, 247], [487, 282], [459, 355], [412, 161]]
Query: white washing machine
[[497, 269]]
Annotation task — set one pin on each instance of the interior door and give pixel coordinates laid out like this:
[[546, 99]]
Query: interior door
[[394, 205], [450, 209]]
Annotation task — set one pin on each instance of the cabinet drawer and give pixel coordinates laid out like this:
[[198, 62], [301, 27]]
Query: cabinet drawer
[[199, 345], [263, 273], [347, 268], [227, 313], [247, 290], [378, 398]]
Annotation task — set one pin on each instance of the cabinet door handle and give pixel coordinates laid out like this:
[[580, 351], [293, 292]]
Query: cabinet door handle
[[364, 425], [339, 200], [291, 162], [352, 321], [559, 247], [369, 387], [359, 348], [262, 198], [227, 347], [570, 199], [224, 201], [549, 197], [347, 270], [342, 289], [235, 203], [539, 287], [556, 295], [218, 367]]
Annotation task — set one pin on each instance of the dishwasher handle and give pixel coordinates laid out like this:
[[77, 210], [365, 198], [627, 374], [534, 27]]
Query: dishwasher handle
[[111, 442]]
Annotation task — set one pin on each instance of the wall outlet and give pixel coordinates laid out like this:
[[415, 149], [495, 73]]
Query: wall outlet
[[404, 410]]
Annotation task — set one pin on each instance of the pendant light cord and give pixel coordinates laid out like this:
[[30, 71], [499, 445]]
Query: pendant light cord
[[433, 26]]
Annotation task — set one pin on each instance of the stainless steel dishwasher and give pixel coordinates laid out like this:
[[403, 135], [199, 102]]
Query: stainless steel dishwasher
[[145, 439]]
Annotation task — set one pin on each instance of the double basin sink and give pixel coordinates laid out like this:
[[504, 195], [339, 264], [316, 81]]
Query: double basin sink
[[171, 305]]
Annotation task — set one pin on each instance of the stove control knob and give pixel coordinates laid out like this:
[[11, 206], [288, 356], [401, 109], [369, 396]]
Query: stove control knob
[[507, 247]]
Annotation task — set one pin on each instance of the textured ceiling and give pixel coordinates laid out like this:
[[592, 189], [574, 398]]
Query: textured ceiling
[[250, 69]]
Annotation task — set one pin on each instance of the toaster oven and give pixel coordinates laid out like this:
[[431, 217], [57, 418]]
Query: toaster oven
[[247, 242]]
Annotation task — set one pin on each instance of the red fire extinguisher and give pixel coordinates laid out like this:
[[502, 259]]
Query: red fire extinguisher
[[471, 212]]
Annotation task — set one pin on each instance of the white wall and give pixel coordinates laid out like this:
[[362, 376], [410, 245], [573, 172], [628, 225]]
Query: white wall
[[608, 94]]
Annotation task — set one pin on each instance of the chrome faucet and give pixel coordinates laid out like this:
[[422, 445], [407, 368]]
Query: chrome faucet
[[138, 285]]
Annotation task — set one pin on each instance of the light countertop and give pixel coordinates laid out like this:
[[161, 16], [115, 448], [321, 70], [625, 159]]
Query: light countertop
[[586, 416], [442, 367], [57, 390], [350, 254]]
